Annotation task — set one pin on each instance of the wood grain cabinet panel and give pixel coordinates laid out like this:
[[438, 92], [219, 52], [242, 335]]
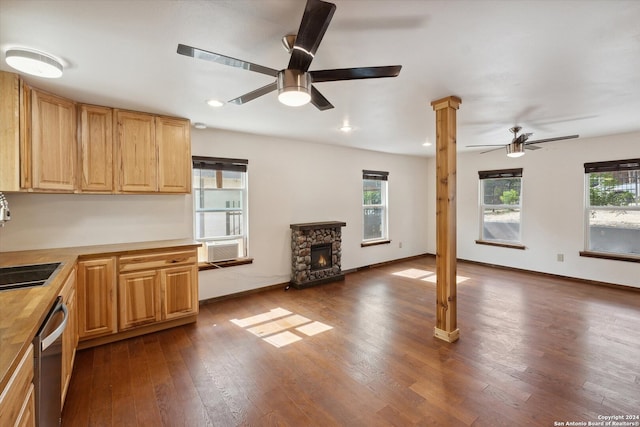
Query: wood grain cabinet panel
[[96, 298], [9, 132], [180, 297], [138, 299], [53, 142], [174, 155], [70, 335], [17, 405], [96, 148], [136, 152]]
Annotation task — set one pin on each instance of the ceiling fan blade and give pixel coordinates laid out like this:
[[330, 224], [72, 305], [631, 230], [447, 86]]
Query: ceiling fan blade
[[355, 73], [315, 21], [486, 145], [254, 94], [558, 138], [488, 151], [319, 100], [194, 52], [533, 147]]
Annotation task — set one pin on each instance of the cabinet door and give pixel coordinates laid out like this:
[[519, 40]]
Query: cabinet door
[[96, 148], [96, 297], [9, 131], [70, 334], [180, 291], [138, 299], [174, 155], [136, 152], [53, 142]]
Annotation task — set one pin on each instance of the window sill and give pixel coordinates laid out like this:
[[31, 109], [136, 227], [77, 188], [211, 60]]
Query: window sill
[[224, 264], [615, 257], [501, 244], [374, 243]]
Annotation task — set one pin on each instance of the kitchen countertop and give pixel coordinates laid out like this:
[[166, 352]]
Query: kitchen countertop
[[22, 311]]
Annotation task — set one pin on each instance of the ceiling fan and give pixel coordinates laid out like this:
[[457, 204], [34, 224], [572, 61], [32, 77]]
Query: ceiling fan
[[521, 142], [294, 83]]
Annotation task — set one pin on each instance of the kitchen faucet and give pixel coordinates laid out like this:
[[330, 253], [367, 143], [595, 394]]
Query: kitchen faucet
[[5, 214]]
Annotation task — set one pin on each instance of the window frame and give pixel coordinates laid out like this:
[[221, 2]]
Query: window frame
[[603, 167], [383, 176], [223, 164], [499, 174]]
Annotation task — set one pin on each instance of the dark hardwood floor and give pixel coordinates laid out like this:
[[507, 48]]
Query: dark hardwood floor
[[534, 350]]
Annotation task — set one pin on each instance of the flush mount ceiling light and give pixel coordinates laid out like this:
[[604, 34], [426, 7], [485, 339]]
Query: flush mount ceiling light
[[294, 88], [34, 63], [199, 125], [515, 149]]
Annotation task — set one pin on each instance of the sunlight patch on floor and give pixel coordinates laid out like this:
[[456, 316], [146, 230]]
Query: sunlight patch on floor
[[434, 278], [263, 317], [414, 273], [424, 275], [276, 326]]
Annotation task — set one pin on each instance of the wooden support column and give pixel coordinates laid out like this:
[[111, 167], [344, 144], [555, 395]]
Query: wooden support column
[[446, 314]]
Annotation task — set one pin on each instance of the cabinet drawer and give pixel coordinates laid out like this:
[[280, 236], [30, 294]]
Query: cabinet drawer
[[157, 260]]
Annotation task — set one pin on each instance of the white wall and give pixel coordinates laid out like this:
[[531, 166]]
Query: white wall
[[296, 182], [552, 208], [289, 182]]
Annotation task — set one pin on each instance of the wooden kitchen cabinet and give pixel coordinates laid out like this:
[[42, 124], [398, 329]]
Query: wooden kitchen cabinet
[[96, 297], [136, 152], [17, 401], [70, 334], [9, 131], [174, 155], [180, 297], [157, 286], [96, 149], [50, 147], [138, 299]]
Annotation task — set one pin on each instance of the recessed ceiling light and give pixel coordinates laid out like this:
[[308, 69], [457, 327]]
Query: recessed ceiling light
[[33, 62], [215, 103], [346, 128], [426, 144], [199, 125]]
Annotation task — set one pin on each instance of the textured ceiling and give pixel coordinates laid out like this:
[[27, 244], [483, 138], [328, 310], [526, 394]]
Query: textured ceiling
[[553, 67]]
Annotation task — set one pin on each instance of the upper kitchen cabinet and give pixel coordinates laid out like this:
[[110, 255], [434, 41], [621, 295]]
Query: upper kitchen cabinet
[[136, 153], [174, 155], [9, 132], [50, 146], [96, 149], [153, 153]]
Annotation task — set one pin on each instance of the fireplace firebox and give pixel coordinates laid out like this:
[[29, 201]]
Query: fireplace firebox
[[321, 256], [316, 249]]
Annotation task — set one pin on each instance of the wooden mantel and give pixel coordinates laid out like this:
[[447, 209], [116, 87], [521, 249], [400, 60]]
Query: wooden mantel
[[446, 305]]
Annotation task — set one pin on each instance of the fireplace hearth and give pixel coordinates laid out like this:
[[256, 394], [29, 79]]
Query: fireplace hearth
[[316, 249]]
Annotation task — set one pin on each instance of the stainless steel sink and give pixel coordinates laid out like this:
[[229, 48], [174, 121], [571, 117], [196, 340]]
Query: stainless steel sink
[[27, 276]]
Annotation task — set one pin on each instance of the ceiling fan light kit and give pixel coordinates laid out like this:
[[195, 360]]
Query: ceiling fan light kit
[[35, 63], [294, 88], [515, 149]]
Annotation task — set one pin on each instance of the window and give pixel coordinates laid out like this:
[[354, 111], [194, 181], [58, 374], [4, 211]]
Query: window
[[374, 205], [220, 199], [612, 207], [500, 206]]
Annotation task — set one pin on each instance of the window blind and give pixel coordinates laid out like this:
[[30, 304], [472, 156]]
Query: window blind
[[503, 173], [220, 163], [612, 166], [377, 175]]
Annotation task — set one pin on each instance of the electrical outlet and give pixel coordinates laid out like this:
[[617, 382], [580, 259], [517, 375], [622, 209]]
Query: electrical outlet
[[560, 257], [400, 245]]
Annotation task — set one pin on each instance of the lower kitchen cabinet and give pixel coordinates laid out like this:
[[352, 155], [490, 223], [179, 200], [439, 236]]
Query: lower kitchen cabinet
[[97, 297], [180, 296], [17, 400], [70, 335], [138, 299]]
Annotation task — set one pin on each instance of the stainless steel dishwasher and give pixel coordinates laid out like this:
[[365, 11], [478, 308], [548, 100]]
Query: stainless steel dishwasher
[[48, 366]]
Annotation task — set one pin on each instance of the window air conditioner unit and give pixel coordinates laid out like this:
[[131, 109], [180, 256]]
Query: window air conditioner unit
[[221, 251]]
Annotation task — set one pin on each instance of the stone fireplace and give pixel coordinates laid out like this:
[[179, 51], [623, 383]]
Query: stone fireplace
[[316, 248]]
